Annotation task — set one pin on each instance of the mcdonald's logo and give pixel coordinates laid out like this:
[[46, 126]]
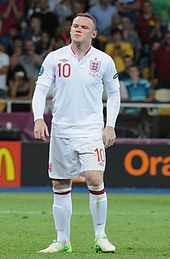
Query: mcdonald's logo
[[10, 164]]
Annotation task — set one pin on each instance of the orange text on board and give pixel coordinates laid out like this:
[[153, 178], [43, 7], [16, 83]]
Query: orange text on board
[[147, 163]]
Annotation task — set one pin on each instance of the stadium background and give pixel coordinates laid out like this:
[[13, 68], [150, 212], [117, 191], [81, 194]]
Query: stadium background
[[140, 157]]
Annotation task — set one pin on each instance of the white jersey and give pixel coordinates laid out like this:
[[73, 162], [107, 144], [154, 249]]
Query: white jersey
[[77, 92]]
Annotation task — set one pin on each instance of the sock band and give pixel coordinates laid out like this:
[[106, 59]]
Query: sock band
[[97, 190], [62, 191]]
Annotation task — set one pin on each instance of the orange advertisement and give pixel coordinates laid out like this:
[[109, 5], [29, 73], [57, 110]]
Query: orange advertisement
[[80, 179], [148, 164], [10, 164]]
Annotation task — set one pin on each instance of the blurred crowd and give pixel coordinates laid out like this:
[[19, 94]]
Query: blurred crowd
[[135, 33]]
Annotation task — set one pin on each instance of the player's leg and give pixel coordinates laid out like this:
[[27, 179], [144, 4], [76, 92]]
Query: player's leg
[[97, 201], [62, 211], [60, 166], [98, 208], [92, 160]]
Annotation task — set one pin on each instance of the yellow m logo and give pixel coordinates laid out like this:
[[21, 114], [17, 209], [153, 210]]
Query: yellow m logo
[[6, 158]]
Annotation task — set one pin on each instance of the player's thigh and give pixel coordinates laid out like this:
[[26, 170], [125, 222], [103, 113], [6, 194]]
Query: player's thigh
[[92, 156], [62, 159]]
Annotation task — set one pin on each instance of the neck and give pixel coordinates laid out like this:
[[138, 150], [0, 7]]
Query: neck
[[79, 49]]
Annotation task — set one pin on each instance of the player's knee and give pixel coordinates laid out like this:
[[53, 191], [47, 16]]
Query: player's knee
[[96, 189], [61, 183], [94, 178]]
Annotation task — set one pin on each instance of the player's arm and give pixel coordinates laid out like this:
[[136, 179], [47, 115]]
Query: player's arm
[[38, 106], [112, 87], [45, 80]]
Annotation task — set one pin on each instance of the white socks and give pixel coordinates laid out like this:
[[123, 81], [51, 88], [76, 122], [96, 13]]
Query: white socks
[[98, 208], [62, 211]]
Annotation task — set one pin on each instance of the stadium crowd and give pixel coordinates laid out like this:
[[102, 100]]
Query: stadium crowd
[[135, 33]]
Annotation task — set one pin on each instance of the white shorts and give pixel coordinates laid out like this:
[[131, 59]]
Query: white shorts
[[69, 158]]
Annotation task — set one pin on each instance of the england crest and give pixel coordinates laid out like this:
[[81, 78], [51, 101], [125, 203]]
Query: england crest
[[95, 65]]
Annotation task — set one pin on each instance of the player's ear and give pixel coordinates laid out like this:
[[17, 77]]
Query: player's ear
[[94, 34]]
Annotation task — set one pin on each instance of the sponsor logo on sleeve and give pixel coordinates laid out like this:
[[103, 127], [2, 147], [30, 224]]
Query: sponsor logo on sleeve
[[115, 76], [41, 71]]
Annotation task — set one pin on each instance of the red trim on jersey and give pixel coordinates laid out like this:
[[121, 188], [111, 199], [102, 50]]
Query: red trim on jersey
[[75, 53], [72, 50], [62, 193], [87, 51], [98, 192]]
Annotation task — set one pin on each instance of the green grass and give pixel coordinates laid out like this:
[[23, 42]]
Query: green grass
[[139, 226]]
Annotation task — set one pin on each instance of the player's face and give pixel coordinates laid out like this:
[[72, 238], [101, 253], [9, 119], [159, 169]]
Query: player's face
[[82, 30]]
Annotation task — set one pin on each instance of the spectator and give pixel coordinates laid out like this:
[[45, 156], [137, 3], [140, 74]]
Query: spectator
[[34, 30], [30, 60], [63, 34], [118, 49], [138, 89], [31, 8], [11, 12], [131, 36], [46, 45], [128, 8], [63, 10], [163, 9], [15, 32], [103, 12], [158, 31], [160, 67], [52, 4], [145, 23], [128, 62], [156, 38], [79, 6], [49, 20], [16, 51], [20, 88], [92, 2], [116, 23]]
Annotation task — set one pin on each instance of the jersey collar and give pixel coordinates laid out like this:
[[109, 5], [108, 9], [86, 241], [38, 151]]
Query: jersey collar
[[87, 52]]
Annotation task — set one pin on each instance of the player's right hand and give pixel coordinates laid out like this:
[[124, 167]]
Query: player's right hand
[[40, 130]]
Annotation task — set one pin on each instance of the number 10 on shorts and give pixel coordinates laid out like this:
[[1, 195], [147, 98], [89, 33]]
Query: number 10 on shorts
[[100, 155]]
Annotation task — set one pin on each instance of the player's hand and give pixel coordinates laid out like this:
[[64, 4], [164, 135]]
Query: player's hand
[[40, 130], [109, 136]]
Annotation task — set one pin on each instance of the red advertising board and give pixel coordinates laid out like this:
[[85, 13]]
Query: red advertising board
[[10, 164]]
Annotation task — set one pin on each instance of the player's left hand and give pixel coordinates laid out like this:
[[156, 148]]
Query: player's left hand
[[41, 130], [109, 136]]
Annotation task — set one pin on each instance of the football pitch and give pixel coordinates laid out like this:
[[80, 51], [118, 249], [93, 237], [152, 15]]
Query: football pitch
[[137, 224]]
